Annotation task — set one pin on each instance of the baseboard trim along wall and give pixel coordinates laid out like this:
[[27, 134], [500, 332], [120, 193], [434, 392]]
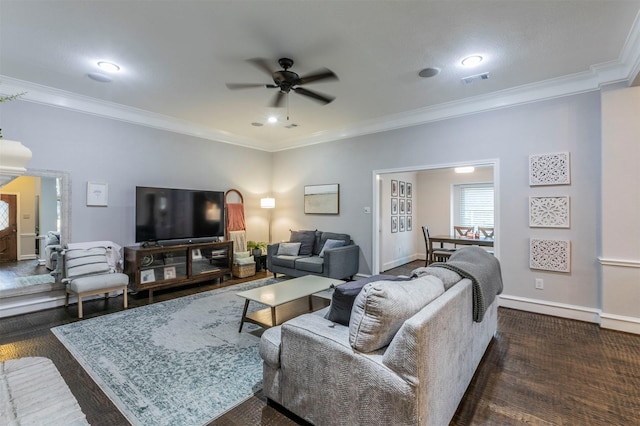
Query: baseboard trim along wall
[[620, 323], [562, 310], [40, 301]]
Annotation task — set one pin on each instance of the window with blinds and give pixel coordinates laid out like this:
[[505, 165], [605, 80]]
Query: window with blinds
[[473, 204]]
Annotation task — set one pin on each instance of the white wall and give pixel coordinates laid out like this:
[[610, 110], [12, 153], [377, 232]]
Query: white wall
[[621, 209], [509, 135], [125, 155]]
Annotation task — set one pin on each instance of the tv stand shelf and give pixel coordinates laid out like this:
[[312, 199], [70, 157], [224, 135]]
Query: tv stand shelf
[[158, 267]]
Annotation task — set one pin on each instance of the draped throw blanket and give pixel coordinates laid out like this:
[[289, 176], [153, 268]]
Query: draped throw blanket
[[483, 269], [239, 241], [235, 217]]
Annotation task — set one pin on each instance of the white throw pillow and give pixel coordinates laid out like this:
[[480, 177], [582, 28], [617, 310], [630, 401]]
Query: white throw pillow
[[383, 306], [288, 249]]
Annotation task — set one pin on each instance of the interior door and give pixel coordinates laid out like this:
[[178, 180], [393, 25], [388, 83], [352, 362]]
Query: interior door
[[8, 228]]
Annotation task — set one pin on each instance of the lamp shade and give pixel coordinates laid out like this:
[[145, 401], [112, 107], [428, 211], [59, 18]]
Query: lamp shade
[[268, 203]]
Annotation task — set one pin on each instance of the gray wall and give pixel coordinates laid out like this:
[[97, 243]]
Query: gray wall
[[509, 135], [124, 155]]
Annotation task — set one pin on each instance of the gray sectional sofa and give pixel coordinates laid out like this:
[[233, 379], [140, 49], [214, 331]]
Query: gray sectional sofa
[[315, 252], [405, 356]]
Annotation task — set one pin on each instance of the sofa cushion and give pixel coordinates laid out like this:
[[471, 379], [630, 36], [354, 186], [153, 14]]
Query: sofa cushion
[[334, 236], [284, 261], [306, 240], [383, 306], [289, 249], [314, 264], [448, 277], [345, 294], [98, 282], [329, 244], [270, 346]]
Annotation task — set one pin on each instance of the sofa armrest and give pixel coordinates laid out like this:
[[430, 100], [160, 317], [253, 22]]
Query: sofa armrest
[[272, 250], [326, 381], [342, 262]]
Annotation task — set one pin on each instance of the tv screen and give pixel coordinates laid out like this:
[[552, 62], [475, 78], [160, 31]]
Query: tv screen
[[170, 214]]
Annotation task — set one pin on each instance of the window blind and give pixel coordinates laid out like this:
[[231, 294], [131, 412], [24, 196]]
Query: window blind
[[474, 204]]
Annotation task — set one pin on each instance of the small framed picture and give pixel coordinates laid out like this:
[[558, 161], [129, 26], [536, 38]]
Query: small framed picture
[[394, 206], [196, 254], [402, 206], [409, 208], [409, 223], [401, 186], [394, 188], [409, 185], [394, 223], [169, 272], [402, 223], [97, 194], [147, 276]]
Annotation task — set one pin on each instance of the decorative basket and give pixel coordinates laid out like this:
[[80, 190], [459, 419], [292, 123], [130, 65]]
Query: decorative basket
[[243, 271]]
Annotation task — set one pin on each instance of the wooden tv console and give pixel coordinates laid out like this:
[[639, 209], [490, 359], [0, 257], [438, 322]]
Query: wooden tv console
[[152, 268]]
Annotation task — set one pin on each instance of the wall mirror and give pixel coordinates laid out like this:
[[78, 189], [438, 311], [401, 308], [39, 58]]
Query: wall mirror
[[322, 199]]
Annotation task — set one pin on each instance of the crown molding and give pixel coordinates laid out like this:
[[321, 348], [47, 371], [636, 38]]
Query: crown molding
[[624, 69]]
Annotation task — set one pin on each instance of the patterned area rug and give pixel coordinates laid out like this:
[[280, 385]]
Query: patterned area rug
[[176, 362]]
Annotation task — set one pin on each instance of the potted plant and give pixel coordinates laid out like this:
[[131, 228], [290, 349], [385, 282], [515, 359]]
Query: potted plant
[[257, 248]]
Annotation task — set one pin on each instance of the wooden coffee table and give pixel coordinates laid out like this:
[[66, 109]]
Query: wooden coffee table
[[280, 294]]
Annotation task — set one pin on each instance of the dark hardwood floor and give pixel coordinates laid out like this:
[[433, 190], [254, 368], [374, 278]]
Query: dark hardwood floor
[[538, 369]]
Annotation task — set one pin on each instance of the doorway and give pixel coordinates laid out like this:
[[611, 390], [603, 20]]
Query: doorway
[[8, 227], [397, 234]]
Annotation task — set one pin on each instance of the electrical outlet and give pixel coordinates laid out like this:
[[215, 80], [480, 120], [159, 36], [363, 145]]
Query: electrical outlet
[[539, 284]]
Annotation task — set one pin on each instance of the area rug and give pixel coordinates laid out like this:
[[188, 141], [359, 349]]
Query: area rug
[[32, 392], [176, 362], [29, 285]]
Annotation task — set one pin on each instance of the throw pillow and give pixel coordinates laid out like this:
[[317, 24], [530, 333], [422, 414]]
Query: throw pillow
[[306, 240], [329, 244], [240, 255], [81, 262], [244, 260], [344, 295], [383, 306], [288, 249]]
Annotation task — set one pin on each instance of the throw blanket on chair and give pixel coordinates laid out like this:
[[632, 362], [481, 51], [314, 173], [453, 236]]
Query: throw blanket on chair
[[483, 269]]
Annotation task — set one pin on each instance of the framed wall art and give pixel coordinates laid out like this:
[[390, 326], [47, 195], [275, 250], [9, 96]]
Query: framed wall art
[[550, 255], [409, 189], [394, 188], [394, 206], [402, 224], [402, 189], [549, 212], [402, 206], [322, 199], [97, 194], [549, 169], [394, 223], [409, 223]]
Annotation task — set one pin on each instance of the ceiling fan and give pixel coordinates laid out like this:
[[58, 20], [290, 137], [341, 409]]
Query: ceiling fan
[[286, 81]]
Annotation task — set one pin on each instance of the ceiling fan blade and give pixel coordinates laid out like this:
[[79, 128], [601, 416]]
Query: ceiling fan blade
[[236, 86], [314, 95], [262, 64], [322, 74], [277, 99]]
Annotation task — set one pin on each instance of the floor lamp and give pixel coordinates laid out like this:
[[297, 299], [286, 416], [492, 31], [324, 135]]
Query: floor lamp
[[268, 203]]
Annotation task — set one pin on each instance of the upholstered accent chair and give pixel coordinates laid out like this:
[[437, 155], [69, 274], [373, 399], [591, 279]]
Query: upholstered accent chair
[[87, 272]]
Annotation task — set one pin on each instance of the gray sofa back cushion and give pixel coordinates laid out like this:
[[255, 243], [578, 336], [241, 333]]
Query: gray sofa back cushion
[[322, 237], [306, 239], [382, 307]]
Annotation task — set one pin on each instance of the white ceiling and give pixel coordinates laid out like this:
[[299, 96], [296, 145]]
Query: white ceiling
[[176, 57]]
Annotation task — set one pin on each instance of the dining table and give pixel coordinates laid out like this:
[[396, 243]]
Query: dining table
[[460, 240]]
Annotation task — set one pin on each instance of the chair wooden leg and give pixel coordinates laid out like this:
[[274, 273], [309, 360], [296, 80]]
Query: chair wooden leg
[[124, 295], [66, 298], [79, 305]]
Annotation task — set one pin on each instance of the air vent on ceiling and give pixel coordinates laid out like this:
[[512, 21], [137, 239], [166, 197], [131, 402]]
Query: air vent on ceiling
[[291, 126], [472, 78]]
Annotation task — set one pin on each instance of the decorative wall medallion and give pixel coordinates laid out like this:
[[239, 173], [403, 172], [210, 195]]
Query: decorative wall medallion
[[549, 212], [550, 255], [549, 169]]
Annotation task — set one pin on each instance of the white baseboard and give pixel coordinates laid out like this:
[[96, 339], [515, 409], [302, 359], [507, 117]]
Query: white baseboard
[[401, 261], [620, 323], [561, 310]]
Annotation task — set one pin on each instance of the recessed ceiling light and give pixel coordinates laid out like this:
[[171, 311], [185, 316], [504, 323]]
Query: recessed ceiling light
[[429, 72], [466, 169], [273, 119], [108, 66], [471, 61]]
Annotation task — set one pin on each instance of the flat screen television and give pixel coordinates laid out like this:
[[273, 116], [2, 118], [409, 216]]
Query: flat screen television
[[178, 214]]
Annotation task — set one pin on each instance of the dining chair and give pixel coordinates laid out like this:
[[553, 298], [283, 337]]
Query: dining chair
[[434, 255], [461, 231], [486, 232]]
